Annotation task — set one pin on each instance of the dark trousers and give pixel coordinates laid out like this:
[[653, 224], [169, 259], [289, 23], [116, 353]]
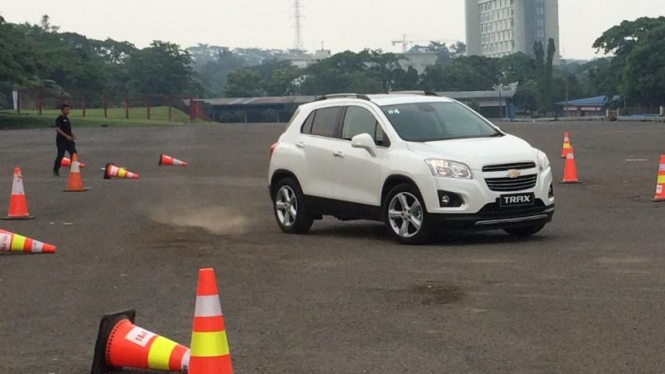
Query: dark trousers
[[63, 147]]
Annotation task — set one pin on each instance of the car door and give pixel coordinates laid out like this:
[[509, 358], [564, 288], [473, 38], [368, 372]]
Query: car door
[[317, 140], [358, 172]]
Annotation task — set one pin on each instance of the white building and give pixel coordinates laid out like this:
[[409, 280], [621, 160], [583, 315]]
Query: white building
[[497, 28]]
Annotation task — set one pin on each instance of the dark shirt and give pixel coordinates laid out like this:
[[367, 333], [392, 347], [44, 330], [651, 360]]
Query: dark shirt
[[63, 124]]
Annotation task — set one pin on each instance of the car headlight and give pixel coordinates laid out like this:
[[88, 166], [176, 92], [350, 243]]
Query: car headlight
[[448, 169], [543, 161]]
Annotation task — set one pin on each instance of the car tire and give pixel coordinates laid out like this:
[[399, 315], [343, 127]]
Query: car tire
[[290, 208], [526, 231], [406, 217]]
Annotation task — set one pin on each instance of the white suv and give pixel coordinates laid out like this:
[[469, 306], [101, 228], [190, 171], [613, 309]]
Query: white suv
[[418, 163]]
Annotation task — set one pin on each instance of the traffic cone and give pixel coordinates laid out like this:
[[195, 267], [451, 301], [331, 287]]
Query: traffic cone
[[165, 160], [570, 170], [660, 183], [18, 205], [210, 347], [75, 183], [68, 162], [10, 242], [112, 171], [121, 344], [566, 145]]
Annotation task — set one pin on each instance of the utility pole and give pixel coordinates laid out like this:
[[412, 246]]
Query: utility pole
[[298, 17]]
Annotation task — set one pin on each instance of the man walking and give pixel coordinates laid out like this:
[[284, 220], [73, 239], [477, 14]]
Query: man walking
[[65, 139]]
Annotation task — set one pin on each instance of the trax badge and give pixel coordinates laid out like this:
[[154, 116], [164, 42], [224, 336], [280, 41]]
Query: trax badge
[[512, 200], [512, 174]]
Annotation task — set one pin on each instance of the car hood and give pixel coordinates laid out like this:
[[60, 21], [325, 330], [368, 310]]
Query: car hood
[[478, 152]]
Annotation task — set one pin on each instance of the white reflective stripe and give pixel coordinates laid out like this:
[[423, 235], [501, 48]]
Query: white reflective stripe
[[571, 156], [75, 167], [17, 187], [37, 246], [659, 190], [207, 306], [177, 162], [662, 167], [185, 362], [5, 241]]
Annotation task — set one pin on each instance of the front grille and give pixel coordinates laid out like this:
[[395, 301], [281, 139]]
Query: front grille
[[513, 166], [512, 184]]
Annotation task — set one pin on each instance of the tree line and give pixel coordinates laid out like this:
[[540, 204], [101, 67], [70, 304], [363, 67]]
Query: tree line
[[41, 57]]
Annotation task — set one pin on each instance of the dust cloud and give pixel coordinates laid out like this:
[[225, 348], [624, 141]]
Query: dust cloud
[[215, 220]]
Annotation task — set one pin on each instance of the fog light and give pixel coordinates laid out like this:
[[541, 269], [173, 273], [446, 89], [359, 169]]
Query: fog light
[[450, 200], [550, 193]]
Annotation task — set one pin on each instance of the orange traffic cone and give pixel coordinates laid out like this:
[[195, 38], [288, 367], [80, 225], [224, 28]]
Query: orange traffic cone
[[10, 242], [121, 344], [570, 170], [210, 347], [67, 163], [75, 183], [165, 160], [18, 205], [112, 171], [566, 145], [660, 183]]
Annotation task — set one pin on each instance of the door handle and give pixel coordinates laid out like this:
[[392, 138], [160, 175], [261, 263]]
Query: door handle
[[300, 145], [339, 154]]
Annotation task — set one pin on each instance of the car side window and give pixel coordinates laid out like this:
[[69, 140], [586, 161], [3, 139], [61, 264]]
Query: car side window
[[307, 126], [359, 121], [325, 122]]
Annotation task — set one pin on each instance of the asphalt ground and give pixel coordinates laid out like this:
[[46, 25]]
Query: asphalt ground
[[584, 296]]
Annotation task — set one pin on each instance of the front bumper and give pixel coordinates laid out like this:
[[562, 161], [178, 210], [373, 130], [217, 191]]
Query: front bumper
[[493, 217]]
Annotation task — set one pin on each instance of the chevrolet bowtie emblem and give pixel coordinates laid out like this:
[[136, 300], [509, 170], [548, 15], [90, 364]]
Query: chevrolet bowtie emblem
[[512, 174]]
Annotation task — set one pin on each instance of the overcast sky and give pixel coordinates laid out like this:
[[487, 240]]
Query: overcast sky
[[339, 24]]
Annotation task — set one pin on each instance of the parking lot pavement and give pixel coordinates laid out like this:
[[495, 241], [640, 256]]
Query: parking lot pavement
[[584, 296]]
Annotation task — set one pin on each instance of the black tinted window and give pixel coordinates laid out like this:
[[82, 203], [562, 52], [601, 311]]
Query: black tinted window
[[325, 122], [360, 121], [307, 126]]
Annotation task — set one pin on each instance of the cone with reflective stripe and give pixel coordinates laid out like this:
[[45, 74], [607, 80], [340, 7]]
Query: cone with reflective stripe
[[570, 169], [18, 205], [566, 145], [165, 160], [660, 183], [121, 344], [75, 183], [10, 242], [210, 347], [68, 162], [112, 171]]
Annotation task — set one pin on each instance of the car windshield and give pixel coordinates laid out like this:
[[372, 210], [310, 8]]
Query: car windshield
[[427, 122]]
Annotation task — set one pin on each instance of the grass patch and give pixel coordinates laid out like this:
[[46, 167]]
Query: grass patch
[[94, 117]]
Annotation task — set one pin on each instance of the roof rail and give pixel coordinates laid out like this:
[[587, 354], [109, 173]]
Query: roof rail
[[422, 93], [343, 95]]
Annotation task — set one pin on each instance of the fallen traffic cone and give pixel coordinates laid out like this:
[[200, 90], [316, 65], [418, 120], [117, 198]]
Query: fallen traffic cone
[[68, 162], [112, 171], [566, 145], [10, 242], [210, 347], [18, 205], [660, 183], [121, 344], [165, 160], [75, 183], [570, 170]]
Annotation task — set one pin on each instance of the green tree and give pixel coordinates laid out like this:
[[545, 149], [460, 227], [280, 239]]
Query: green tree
[[161, 69], [526, 97], [639, 62], [243, 83]]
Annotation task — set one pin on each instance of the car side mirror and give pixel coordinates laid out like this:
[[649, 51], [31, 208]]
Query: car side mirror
[[364, 141]]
